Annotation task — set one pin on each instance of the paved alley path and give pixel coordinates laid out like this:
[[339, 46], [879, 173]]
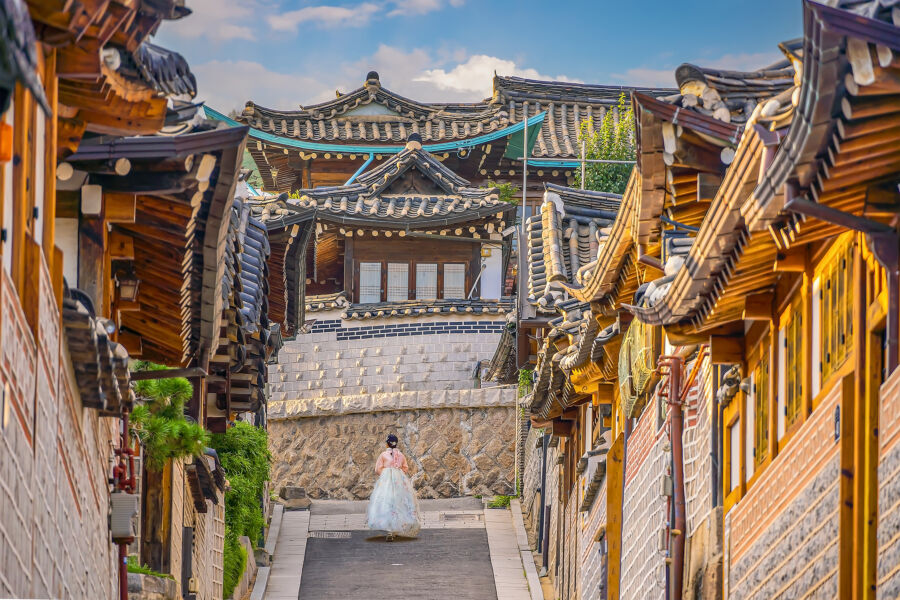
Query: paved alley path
[[463, 552]]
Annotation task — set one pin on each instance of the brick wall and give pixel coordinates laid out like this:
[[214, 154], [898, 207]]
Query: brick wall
[[644, 512], [54, 539], [531, 484], [591, 552], [696, 439], [888, 574], [782, 538]]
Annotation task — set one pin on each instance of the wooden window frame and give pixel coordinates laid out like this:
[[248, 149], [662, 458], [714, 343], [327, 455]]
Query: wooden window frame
[[836, 296], [411, 288], [732, 417]]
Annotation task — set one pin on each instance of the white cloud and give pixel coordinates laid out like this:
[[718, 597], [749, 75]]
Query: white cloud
[[420, 7], [416, 74], [324, 16], [228, 84], [475, 75], [217, 20]]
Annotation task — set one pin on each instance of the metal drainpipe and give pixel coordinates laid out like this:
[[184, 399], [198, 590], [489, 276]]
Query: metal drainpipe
[[676, 420]]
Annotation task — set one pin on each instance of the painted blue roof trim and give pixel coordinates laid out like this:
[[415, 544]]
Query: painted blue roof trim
[[263, 136], [537, 162]]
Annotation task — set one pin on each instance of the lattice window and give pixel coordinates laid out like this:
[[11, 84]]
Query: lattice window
[[454, 280], [761, 404], [836, 297], [398, 282], [793, 364], [426, 281], [369, 282]]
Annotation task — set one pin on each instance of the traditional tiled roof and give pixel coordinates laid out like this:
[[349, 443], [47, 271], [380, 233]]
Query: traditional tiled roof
[[164, 70], [18, 55], [327, 301], [373, 114], [427, 308], [565, 239], [502, 367], [373, 199], [567, 105], [751, 219]]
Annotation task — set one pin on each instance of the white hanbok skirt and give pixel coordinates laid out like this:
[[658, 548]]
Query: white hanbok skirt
[[393, 507]]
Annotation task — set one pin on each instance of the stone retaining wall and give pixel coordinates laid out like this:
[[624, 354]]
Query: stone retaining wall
[[888, 576], [451, 451], [339, 391]]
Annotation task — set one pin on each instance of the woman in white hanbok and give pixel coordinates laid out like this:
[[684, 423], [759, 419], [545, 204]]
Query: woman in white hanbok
[[393, 507]]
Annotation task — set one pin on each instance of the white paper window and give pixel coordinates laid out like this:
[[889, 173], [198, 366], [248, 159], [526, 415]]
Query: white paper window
[[369, 282], [454, 280], [39, 139], [817, 337], [398, 282], [734, 438], [426, 281]]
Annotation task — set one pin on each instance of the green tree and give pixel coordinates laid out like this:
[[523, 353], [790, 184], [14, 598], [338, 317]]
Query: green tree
[[244, 453], [159, 423], [613, 140]]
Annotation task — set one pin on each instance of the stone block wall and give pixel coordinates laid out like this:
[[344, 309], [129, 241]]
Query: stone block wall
[[338, 391], [54, 538], [644, 511], [781, 538], [697, 440], [888, 573], [451, 451]]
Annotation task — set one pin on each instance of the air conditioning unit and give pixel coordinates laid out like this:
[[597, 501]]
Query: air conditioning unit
[[123, 507]]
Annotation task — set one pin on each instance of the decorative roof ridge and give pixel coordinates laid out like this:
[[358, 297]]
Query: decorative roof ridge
[[369, 93], [505, 84], [686, 117]]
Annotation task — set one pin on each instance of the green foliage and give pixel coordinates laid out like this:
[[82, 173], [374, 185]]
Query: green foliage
[[159, 422], [133, 566], [234, 563], [499, 502], [506, 191], [525, 382], [244, 453], [614, 140], [248, 163]]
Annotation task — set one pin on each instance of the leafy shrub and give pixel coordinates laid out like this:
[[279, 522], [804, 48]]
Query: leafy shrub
[[499, 502], [614, 140], [159, 422], [244, 453], [134, 566]]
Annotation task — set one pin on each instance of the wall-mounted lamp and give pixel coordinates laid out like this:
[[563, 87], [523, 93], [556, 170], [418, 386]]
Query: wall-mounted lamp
[[128, 286]]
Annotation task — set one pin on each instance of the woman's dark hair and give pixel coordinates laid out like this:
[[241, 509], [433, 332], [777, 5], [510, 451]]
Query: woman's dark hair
[[392, 441]]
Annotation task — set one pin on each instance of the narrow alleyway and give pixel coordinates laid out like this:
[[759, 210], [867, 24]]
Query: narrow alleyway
[[464, 551]]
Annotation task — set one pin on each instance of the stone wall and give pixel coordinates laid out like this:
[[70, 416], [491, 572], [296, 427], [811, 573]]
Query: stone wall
[[54, 538], [451, 451], [888, 574], [338, 391], [781, 538]]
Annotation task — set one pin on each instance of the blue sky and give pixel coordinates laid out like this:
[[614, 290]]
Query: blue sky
[[283, 53]]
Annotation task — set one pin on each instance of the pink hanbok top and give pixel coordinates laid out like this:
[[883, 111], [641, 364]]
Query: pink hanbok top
[[391, 458]]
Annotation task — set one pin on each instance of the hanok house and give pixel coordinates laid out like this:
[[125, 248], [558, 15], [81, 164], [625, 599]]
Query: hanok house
[[66, 290], [178, 228], [750, 409], [404, 280], [325, 144]]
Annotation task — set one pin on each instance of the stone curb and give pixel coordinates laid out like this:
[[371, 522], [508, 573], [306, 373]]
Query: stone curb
[[259, 588], [531, 574]]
